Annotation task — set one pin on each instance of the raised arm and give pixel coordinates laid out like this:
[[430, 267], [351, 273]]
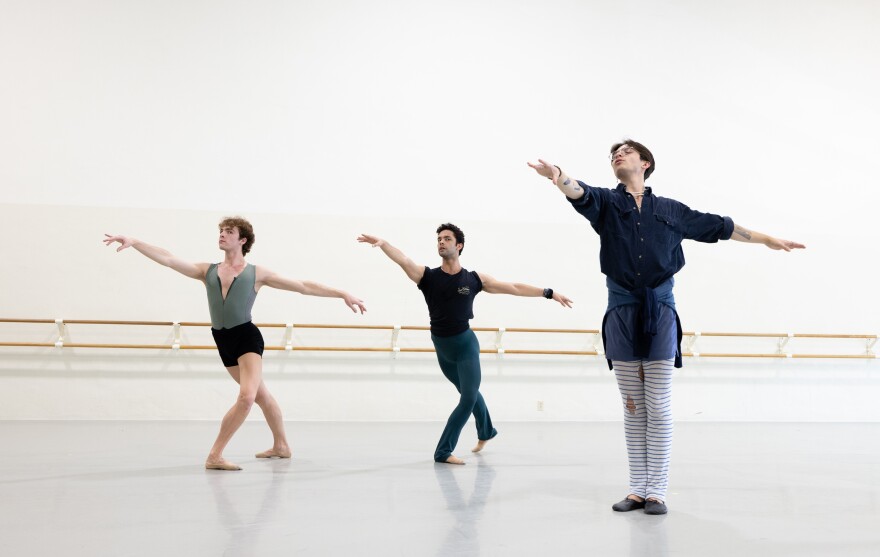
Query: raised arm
[[566, 184], [413, 271], [161, 256], [307, 288], [742, 234], [493, 286]]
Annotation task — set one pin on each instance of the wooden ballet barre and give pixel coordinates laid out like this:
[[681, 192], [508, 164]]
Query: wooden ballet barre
[[425, 328], [781, 356], [545, 352], [429, 350], [93, 322], [777, 335], [111, 322], [351, 349], [418, 328], [807, 335], [106, 345], [296, 326], [321, 326], [691, 339], [574, 331]]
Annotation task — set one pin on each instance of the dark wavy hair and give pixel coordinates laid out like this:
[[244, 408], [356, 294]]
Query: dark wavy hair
[[459, 235], [245, 230], [643, 151]]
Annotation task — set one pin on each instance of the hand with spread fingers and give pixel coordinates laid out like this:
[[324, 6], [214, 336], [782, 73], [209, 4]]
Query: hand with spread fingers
[[124, 241], [545, 169]]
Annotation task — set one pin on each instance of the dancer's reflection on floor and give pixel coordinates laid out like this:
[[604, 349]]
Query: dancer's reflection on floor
[[463, 536]]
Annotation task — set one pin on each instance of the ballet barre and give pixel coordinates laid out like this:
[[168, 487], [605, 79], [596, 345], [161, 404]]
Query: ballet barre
[[689, 341]]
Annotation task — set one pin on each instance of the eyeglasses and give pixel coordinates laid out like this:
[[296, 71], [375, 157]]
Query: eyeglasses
[[625, 150]]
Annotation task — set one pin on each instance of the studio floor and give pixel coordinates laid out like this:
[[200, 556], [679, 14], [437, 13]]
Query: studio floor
[[353, 489]]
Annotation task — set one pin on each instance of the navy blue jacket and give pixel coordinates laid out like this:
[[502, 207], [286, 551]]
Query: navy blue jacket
[[640, 251], [643, 249]]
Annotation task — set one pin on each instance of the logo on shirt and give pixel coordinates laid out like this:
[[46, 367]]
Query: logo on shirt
[[464, 290]]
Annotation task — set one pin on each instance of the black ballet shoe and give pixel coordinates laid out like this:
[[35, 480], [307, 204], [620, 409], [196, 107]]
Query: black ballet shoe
[[655, 507], [627, 505]]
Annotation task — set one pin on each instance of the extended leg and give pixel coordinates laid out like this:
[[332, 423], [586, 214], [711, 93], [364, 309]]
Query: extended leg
[[250, 376]]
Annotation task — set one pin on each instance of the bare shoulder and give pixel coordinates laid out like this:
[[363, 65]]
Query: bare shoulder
[[261, 273]]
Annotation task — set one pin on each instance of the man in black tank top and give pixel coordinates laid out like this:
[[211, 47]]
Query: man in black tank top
[[449, 291], [232, 286]]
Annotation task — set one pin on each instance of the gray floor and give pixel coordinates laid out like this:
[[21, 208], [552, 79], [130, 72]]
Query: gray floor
[[138, 488]]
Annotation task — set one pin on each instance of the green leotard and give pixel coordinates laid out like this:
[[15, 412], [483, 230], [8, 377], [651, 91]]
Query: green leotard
[[236, 308]]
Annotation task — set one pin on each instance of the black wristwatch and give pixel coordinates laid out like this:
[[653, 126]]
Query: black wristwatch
[[548, 293]]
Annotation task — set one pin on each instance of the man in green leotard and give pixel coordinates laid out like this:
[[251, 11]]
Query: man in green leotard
[[232, 288]]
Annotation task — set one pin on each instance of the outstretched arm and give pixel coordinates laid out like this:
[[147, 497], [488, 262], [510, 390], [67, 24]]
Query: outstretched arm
[[161, 256], [493, 286], [413, 271], [742, 234], [308, 288], [566, 184]]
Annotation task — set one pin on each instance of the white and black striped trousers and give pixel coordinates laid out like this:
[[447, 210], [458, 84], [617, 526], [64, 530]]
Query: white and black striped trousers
[[646, 391]]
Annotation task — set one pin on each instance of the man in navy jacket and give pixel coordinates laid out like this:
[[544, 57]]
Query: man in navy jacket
[[640, 236]]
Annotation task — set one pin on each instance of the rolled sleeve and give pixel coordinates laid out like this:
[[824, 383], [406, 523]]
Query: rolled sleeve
[[728, 228], [704, 227]]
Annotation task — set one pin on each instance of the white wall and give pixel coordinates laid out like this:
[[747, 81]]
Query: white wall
[[319, 122]]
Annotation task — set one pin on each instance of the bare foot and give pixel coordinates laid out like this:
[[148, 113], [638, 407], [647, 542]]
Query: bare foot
[[274, 453], [634, 497], [221, 464], [454, 460], [480, 444]]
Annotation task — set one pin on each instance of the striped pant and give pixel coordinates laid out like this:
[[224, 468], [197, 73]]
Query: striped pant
[[646, 391]]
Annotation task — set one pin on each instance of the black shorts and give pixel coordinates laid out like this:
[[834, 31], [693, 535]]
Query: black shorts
[[238, 341]]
